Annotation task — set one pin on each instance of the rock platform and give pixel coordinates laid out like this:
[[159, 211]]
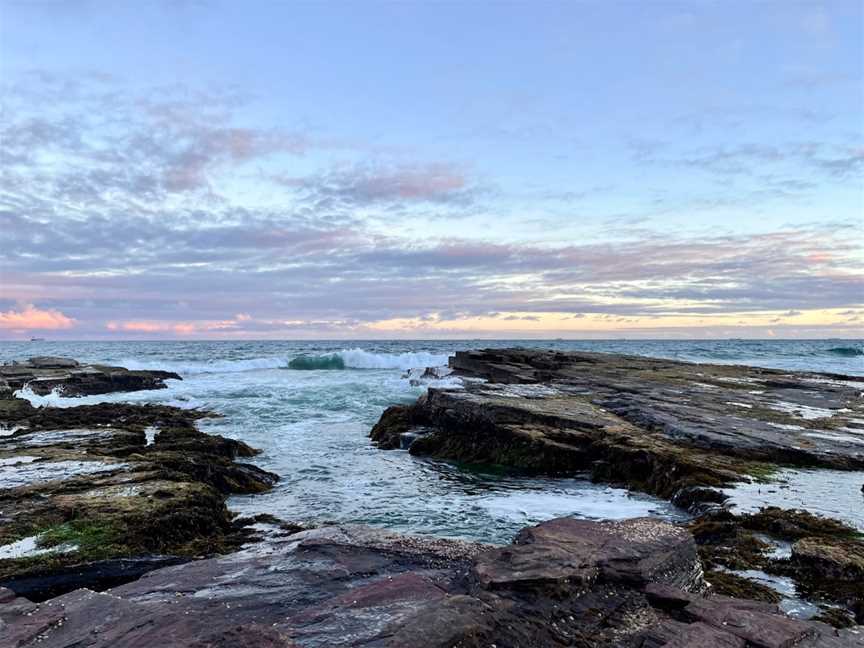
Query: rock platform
[[565, 582], [687, 432], [45, 374], [95, 495]]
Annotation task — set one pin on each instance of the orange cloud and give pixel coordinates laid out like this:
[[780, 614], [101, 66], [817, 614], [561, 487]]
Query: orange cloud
[[178, 328], [30, 317]]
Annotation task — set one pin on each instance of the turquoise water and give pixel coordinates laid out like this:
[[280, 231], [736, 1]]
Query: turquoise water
[[312, 425]]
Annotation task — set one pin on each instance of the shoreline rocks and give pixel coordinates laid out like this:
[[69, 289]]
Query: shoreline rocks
[[633, 583], [683, 431], [129, 500], [97, 494], [654, 425], [44, 374]]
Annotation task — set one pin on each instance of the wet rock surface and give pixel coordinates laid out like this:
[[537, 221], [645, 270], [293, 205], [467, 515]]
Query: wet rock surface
[[96, 495], [558, 411], [114, 530], [562, 583], [684, 431], [44, 374]]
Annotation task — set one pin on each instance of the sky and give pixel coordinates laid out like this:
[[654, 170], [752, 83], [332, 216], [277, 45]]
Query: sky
[[208, 169]]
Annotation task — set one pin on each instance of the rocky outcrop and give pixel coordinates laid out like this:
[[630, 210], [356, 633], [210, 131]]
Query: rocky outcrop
[[680, 430], [656, 425], [97, 495], [46, 374], [561, 583], [823, 557]]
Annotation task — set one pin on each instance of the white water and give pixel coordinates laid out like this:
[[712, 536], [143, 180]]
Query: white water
[[353, 358], [830, 493]]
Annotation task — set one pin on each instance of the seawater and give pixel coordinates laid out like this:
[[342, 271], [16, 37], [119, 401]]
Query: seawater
[[311, 423]]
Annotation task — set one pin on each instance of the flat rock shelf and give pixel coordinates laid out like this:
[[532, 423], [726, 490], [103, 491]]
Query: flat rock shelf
[[562, 583]]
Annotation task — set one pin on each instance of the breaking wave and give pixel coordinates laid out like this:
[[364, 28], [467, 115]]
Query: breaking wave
[[312, 362], [360, 359], [344, 359], [193, 368], [846, 351], [56, 398]]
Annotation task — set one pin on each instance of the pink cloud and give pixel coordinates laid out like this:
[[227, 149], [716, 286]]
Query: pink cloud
[[178, 328], [30, 317], [419, 183], [369, 184]]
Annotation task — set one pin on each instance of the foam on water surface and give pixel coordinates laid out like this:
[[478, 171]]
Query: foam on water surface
[[830, 493], [791, 602]]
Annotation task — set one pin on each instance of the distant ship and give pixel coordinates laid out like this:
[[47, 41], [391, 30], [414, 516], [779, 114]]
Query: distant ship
[[37, 339]]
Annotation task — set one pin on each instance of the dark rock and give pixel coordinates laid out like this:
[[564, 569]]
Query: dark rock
[[749, 413], [112, 484], [46, 374], [395, 421], [97, 576], [679, 430], [836, 617], [562, 583], [52, 362], [674, 634], [698, 500], [826, 557], [635, 552], [830, 558], [793, 524], [731, 584], [758, 626]]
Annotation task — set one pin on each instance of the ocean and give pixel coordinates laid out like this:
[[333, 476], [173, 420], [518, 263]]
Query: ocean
[[308, 406]]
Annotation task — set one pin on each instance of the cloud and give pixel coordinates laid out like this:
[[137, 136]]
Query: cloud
[[787, 167], [269, 265], [363, 185], [179, 328], [845, 163], [112, 207], [90, 144], [31, 318]]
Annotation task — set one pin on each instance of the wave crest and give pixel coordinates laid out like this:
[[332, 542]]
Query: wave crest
[[846, 352], [335, 360], [313, 362], [361, 359]]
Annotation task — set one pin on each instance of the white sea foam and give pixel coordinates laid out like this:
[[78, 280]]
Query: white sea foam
[[360, 359], [150, 434], [195, 367], [351, 359], [830, 493], [56, 398]]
